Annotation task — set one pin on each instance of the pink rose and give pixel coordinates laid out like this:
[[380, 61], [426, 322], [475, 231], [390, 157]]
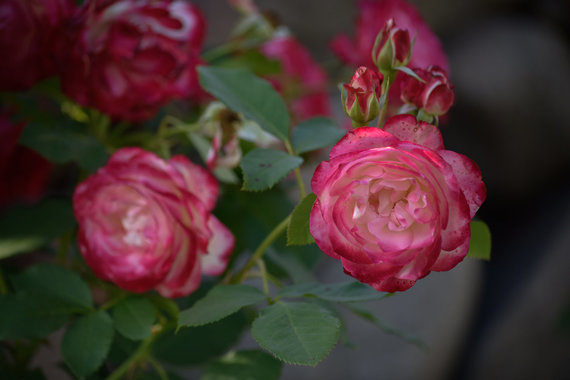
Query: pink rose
[[372, 16], [146, 223], [24, 174], [303, 82], [435, 96], [393, 205], [363, 95], [130, 57], [29, 34]]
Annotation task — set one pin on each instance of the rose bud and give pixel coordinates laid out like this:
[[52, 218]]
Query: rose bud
[[128, 58], [29, 34], [146, 223], [393, 205], [302, 82], [435, 96], [363, 95], [392, 48], [372, 15]]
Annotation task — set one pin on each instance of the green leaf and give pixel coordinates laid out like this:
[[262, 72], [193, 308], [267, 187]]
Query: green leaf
[[195, 345], [253, 60], [298, 230], [134, 317], [244, 365], [296, 333], [315, 133], [86, 343], [26, 228], [62, 142], [33, 316], [410, 72], [243, 92], [349, 291], [263, 168], [385, 326], [480, 244], [221, 301], [56, 282]]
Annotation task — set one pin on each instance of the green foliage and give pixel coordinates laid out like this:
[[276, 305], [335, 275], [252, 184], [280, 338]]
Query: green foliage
[[243, 92], [244, 365], [315, 133], [349, 291], [133, 317], [86, 342], [196, 345], [221, 301], [33, 316], [263, 168], [64, 141], [55, 282], [254, 61], [297, 333], [298, 230], [26, 228], [480, 243]]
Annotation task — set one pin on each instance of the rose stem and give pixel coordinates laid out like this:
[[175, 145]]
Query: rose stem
[[258, 253]]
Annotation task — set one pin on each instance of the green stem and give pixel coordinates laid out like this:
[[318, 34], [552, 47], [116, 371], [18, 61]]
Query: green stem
[[388, 81], [64, 243], [157, 367], [258, 253], [263, 274], [138, 355], [300, 183], [3, 286]]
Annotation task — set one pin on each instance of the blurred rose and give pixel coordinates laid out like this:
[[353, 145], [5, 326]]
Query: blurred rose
[[130, 57], [30, 32], [303, 82], [24, 174], [146, 223], [393, 205], [372, 16], [435, 96]]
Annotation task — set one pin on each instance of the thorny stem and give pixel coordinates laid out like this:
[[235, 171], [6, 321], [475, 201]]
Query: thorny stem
[[258, 253]]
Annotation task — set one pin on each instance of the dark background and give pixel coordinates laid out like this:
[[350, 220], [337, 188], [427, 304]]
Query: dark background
[[509, 318]]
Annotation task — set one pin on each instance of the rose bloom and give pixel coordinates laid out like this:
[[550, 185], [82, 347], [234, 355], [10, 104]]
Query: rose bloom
[[24, 174], [393, 205], [372, 16], [29, 34], [435, 96], [303, 82], [129, 57], [146, 223]]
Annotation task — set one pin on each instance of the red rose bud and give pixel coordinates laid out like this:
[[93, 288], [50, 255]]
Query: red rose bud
[[392, 47], [362, 103], [435, 96], [128, 58], [30, 31]]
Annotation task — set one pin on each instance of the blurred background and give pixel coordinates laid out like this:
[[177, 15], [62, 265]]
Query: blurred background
[[508, 318]]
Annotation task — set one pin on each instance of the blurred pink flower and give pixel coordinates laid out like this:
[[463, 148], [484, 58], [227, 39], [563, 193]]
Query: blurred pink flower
[[130, 57], [303, 82], [30, 33]]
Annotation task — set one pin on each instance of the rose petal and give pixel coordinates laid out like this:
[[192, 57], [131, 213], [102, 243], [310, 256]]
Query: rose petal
[[406, 128], [361, 139], [215, 261]]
